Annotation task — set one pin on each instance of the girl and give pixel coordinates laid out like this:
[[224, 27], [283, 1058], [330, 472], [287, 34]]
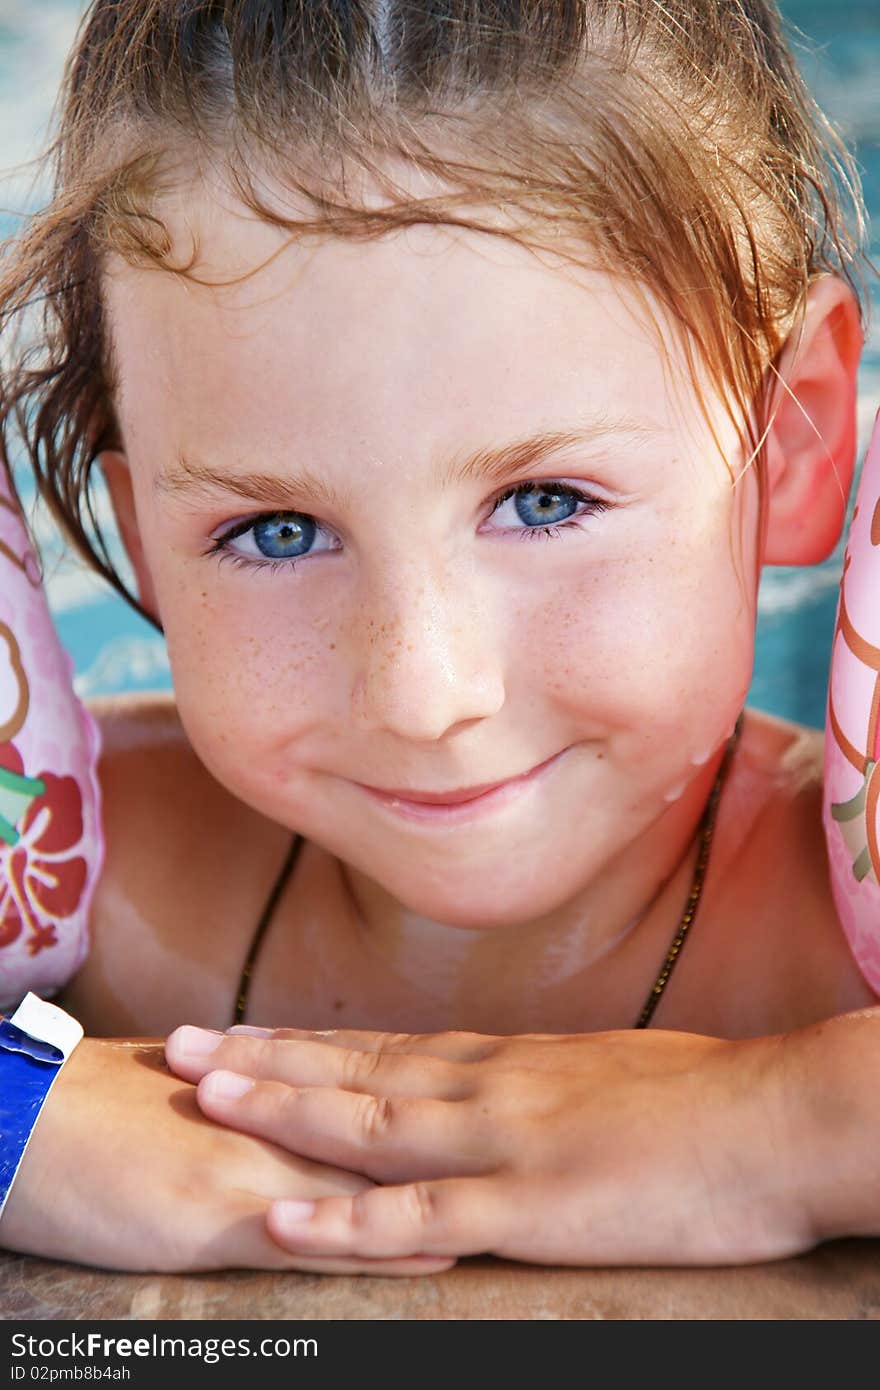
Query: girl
[[454, 370]]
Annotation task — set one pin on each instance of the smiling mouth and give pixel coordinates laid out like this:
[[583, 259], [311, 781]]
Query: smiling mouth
[[402, 798], [453, 798]]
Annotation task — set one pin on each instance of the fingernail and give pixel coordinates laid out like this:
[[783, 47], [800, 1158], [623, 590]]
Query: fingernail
[[245, 1030], [292, 1213], [195, 1043], [226, 1085]]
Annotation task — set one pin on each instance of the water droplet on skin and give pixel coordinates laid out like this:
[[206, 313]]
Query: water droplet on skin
[[674, 792]]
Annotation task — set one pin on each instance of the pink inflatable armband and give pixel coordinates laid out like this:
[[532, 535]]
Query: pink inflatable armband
[[851, 804], [51, 847]]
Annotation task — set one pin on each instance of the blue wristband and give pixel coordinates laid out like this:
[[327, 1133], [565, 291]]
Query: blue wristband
[[34, 1045]]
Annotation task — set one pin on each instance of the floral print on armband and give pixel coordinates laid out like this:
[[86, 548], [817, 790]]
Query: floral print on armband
[[42, 873], [42, 878], [51, 847]]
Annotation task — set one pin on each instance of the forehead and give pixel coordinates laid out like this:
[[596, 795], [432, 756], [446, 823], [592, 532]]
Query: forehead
[[443, 331]]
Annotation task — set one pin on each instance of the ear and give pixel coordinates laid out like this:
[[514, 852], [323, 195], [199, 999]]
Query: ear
[[114, 466], [811, 443]]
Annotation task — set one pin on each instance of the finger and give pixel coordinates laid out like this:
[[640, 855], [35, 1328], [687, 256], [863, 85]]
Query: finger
[[461, 1216], [454, 1046], [387, 1139], [246, 1243], [193, 1052]]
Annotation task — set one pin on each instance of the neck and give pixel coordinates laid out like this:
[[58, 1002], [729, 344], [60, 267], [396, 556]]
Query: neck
[[586, 964]]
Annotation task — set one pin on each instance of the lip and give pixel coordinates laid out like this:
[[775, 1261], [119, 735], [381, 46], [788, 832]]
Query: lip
[[444, 798], [463, 804]]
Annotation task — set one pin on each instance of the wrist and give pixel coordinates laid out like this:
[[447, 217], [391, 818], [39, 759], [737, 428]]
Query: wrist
[[35, 1043], [751, 1156], [829, 1092]]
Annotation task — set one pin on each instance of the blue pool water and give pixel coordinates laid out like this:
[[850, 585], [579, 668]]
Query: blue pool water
[[113, 649]]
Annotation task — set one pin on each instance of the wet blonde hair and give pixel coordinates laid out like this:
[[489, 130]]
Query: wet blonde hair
[[671, 141]]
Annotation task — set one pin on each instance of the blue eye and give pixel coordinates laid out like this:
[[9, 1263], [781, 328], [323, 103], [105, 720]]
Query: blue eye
[[276, 538], [544, 509], [544, 506], [283, 536]]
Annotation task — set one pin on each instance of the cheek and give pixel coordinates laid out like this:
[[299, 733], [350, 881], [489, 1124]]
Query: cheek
[[247, 677], [657, 648]]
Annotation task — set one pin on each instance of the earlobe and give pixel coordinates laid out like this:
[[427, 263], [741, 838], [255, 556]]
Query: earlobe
[[117, 474], [812, 438]]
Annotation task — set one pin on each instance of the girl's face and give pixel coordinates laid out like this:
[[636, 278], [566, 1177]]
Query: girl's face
[[371, 575]]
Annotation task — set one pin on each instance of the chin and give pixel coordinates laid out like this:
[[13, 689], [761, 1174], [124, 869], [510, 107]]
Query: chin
[[476, 903]]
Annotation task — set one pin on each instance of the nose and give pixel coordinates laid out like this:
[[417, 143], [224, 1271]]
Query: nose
[[427, 658]]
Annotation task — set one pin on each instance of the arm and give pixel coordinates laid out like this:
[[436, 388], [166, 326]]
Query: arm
[[123, 1172], [829, 1077], [616, 1148]]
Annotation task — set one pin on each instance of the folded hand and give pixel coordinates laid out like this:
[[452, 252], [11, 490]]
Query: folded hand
[[124, 1171], [616, 1148]]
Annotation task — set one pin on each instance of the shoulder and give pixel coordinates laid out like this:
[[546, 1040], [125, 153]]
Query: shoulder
[[779, 939], [156, 794], [185, 866], [786, 848], [771, 803], [151, 778], [783, 757]]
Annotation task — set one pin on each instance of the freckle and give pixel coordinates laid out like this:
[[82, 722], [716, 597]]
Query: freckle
[[600, 756], [339, 1003]]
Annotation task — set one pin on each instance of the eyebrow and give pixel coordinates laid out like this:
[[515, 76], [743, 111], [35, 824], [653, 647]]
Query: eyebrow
[[491, 464]]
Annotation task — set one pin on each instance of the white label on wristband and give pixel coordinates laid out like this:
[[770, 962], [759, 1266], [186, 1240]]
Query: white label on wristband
[[45, 1021]]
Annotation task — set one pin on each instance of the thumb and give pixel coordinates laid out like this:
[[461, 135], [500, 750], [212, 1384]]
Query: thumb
[[451, 1216]]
